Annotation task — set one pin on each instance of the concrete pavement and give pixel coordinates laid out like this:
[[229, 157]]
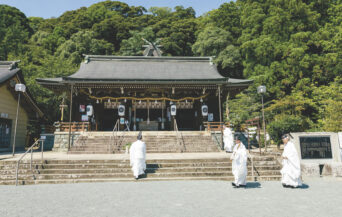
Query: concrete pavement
[[319, 197]]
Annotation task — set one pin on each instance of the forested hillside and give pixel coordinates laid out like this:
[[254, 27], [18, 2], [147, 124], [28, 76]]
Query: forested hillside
[[294, 47]]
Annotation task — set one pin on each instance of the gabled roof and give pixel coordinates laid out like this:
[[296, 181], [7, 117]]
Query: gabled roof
[[145, 69], [8, 70]]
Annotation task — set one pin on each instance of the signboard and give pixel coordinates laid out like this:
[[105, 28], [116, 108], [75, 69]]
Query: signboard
[[84, 118], [315, 147], [150, 104], [82, 108], [4, 115], [210, 117], [111, 105]]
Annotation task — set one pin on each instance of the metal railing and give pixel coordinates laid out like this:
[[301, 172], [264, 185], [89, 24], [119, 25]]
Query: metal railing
[[23, 155], [116, 140], [250, 158], [179, 136], [219, 142]]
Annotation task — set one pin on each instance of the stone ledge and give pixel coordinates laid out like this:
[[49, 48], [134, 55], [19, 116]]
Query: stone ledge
[[332, 169], [310, 169]]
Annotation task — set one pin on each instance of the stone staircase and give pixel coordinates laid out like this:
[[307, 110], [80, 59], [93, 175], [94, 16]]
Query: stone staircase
[[156, 142], [77, 171]]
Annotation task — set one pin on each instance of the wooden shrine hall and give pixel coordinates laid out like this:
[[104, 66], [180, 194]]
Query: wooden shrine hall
[[149, 93]]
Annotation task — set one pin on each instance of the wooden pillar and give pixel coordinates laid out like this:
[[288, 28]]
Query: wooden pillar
[[135, 115], [162, 120], [219, 102], [220, 113], [70, 115]]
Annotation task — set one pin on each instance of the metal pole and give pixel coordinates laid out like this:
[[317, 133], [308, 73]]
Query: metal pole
[[42, 149], [31, 158], [263, 119], [16, 124], [70, 116], [259, 140]]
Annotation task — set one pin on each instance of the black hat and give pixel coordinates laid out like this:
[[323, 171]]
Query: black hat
[[286, 136], [237, 137], [139, 137]]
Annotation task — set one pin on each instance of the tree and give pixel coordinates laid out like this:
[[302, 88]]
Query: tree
[[14, 31], [81, 43], [133, 45]]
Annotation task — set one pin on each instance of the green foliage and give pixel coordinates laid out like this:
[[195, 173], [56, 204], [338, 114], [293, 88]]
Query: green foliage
[[245, 106], [285, 124], [133, 45], [14, 31]]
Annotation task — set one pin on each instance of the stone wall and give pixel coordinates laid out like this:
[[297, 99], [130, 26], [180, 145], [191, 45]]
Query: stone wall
[[335, 146], [61, 141]]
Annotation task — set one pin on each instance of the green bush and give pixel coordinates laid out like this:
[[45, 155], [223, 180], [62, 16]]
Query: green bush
[[285, 124]]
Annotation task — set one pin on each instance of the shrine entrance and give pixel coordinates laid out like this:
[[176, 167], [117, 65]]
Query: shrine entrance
[[153, 93]]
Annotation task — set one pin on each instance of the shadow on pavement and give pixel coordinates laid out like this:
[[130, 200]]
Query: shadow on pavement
[[304, 186], [253, 185]]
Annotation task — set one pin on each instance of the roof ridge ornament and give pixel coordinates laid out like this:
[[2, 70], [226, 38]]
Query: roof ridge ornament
[[152, 48]]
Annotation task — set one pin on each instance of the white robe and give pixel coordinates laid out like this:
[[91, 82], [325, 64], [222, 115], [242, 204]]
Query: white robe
[[291, 166], [228, 140], [137, 153], [239, 164]]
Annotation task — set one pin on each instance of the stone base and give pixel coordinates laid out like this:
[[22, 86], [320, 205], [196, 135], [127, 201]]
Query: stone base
[[61, 142], [332, 169], [310, 169]]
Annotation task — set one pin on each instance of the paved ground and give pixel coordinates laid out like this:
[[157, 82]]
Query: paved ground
[[321, 197]]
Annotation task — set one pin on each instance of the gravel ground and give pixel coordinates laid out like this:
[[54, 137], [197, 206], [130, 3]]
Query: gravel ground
[[173, 198]]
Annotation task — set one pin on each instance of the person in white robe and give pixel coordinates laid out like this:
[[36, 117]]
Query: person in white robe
[[291, 174], [239, 163], [228, 139], [138, 157]]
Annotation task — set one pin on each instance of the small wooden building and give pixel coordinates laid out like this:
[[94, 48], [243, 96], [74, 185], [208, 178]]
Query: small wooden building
[[146, 88], [10, 75]]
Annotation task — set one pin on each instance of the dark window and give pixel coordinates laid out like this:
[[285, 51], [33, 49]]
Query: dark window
[[5, 132], [315, 147]]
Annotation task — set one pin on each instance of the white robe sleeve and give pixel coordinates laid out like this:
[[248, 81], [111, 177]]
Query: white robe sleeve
[[131, 154]]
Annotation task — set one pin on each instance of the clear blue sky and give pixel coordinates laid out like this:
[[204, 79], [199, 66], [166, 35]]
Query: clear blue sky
[[55, 8]]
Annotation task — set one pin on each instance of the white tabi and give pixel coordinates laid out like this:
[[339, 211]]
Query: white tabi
[[291, 166], [239, 164], [228, 139], [137, 158]]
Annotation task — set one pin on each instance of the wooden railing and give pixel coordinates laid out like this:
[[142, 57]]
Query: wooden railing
[[75, 126], [214, 126]]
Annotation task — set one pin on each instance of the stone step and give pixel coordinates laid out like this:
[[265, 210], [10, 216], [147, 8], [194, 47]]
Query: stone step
[[259, 171], [69, 181], [256, 159], [128, 174]]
